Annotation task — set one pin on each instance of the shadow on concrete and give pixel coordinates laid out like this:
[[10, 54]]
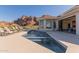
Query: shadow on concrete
[[67, 37]]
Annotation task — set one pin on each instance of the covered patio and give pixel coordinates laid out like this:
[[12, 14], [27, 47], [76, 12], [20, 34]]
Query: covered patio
[[69, 20], [68, 25]]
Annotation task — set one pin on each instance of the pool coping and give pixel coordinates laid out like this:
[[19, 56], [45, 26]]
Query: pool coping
[[71, 48]]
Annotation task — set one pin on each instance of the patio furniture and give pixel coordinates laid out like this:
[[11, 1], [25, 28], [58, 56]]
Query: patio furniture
[[2, 31]]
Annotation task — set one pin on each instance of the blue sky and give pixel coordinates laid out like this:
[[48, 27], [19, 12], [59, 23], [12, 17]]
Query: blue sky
[[12, 12]]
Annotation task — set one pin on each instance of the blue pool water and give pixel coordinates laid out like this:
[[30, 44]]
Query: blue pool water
[[45, 40]]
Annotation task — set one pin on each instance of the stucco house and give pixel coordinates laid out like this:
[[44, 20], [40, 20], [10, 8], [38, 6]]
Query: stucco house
[[67, 21], [47, 22]]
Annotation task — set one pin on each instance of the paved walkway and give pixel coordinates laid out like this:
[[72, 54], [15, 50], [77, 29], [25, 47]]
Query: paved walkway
[[70, 40], [18, 43]]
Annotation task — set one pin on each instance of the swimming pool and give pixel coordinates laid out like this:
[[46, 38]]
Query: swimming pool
[[42, 38]]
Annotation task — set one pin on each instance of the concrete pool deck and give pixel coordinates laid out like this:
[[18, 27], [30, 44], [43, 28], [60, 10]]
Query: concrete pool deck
[[16, 43], [70, 40]]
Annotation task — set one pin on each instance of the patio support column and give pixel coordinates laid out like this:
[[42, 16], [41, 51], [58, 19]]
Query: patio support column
[[77, 23], [44, 24], [56, 25]]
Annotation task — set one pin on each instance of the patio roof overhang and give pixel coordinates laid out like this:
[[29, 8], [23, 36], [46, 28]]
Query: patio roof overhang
[[69, 13]]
